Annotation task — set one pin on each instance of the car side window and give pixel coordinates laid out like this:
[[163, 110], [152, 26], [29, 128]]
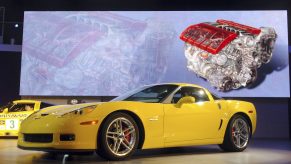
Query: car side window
[[21, 108], [45, 105], [215, 97], [198, 93], [9, 105], [177, 96]]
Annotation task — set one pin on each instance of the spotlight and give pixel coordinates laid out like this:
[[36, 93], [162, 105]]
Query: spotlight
[[75, 101]]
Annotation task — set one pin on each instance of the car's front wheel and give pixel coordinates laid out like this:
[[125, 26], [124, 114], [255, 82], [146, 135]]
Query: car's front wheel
[[237, 135], [119, 137]]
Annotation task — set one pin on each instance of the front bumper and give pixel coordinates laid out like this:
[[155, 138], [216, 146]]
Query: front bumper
[[50, 149], [8, 133], [85, 136]]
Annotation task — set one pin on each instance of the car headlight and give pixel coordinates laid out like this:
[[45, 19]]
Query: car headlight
[[81, 111]]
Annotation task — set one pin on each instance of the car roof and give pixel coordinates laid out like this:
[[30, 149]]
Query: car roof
[[181, 84], [25, 101]]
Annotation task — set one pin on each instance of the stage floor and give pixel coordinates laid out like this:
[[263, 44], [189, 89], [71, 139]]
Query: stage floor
[[259, 151]]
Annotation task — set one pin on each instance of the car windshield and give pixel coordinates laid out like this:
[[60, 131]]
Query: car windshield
[[9, 105], [149, 94]]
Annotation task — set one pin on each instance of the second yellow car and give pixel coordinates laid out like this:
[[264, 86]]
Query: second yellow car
[[12, 114]]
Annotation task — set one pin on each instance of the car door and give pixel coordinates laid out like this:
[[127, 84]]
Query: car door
[[195, 121]]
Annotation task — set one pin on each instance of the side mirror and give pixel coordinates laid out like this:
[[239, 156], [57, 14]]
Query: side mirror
[[5, 111], [185, 100]]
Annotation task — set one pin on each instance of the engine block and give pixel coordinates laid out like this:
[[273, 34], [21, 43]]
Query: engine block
[[226, 53]]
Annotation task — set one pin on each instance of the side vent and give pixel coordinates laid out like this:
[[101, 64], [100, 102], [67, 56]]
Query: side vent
[[220, 124], [219, 105]]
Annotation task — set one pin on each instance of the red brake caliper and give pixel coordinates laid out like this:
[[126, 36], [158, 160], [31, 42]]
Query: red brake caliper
[[127, 136]]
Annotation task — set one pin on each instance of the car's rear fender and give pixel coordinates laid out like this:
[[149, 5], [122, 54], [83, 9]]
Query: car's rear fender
[[245, 109]]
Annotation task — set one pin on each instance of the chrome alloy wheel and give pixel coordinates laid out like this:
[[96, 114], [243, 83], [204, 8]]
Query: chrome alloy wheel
[[120, 136], [240, 133]]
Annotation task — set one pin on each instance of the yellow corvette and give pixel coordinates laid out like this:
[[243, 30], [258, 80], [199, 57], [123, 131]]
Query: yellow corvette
[[12, 114], [155, 116]]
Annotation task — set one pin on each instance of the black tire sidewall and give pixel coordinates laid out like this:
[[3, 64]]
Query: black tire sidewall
[[230, 132], [228, 143], [103, 150]]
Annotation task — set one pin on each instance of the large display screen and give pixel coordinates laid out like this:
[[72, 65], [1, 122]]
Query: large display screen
[[107, 53]]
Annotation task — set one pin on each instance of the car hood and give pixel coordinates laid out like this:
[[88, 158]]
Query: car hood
[[60, 110]]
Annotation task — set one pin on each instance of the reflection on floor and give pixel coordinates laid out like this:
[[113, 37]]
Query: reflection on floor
[[259, 151]]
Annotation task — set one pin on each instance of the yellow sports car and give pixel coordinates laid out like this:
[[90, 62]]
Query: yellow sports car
[[155, 116], [12, 114]]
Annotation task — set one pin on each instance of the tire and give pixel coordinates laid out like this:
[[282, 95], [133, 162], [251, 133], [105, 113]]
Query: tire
[[236, 140], [119, 137]]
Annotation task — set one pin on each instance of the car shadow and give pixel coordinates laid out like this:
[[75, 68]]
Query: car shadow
[[171, 155], [8, 137], [139, 154], [176, 151]]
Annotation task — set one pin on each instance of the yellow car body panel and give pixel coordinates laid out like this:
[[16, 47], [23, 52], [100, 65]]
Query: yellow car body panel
[[10, 121], [86, 135], [161, 124]]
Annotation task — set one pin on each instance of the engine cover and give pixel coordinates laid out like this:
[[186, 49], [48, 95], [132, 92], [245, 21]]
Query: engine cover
[[226, 53]]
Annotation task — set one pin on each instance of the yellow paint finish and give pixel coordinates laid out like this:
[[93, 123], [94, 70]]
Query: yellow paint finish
[[151, 115], [164, 125], [191, 121], [14, 119]]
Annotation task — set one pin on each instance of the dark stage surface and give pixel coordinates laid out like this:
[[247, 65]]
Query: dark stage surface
[[259, 151]]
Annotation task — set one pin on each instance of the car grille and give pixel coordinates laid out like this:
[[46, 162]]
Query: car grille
[[40, 138]]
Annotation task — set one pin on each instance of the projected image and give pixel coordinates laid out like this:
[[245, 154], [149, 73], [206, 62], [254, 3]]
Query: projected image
[[226, 53], [108, 53]]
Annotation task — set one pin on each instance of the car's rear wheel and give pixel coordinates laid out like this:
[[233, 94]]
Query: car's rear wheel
[[119, 137], [237, 135]]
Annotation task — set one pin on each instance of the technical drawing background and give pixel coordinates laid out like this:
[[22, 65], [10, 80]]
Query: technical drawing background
[[102, 53]]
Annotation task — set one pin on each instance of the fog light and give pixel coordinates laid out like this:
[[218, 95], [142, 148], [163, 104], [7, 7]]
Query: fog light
[[67, 137]]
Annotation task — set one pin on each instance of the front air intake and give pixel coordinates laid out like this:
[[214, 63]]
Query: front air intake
[[38, 138]]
